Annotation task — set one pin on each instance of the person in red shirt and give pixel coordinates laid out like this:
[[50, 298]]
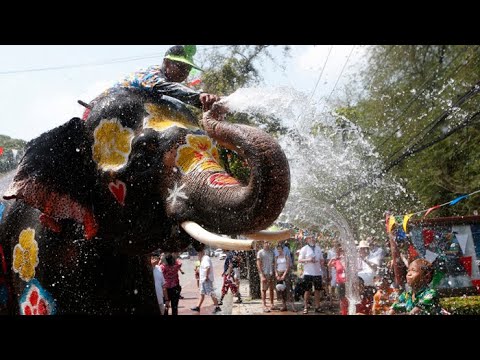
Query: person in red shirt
[[170, 272]]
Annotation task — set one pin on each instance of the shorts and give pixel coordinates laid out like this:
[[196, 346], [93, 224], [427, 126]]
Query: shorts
[[206, 288], [310, 280], [269, 282]]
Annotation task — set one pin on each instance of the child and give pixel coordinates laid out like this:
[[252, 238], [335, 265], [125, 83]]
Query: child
[[364, 307], [196, 270], [338, 264], [384, 297], [420, 300]]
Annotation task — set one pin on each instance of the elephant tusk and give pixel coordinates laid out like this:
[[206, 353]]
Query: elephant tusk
[[214, 240], [270, 235]]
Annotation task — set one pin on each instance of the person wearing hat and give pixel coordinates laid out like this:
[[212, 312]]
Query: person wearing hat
[[367, 266], [165, 79]]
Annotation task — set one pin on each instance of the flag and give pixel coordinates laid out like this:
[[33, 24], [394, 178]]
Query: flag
[[195, 82], [405, 221], [1, 150], [430, 210], [454, 201], [391, 222]]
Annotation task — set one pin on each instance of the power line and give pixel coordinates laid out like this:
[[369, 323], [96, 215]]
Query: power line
[[415, 97], [430, 126], [315, 88], [321, 72], [418, 134], [106, 62], [475, 89], [411, 150], [379, 67], [338, 78]]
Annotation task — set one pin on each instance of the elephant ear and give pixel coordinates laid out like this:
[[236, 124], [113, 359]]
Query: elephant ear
[[56, 176]]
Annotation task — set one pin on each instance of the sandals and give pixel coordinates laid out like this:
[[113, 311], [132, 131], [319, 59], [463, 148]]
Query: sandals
[[266, 310], [317, 310], [283, 309], [305, 311]]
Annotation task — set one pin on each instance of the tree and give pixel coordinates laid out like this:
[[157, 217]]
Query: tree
[[419, 107], [12, 151]]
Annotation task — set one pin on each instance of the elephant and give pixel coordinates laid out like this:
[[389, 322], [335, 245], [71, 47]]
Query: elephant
[[94, 197]]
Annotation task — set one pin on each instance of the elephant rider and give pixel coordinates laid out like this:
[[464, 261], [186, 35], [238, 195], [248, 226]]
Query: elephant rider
[[165, 79]]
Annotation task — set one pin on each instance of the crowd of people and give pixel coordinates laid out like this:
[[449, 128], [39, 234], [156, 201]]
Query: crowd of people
[[288, 277]]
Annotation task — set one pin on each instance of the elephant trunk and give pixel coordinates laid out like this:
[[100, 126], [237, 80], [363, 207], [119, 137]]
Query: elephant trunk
[[237, 208]]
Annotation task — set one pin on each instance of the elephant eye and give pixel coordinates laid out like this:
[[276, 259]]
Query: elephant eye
[[146, 142]]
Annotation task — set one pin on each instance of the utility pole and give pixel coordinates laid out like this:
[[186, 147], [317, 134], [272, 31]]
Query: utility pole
[[253, 276]]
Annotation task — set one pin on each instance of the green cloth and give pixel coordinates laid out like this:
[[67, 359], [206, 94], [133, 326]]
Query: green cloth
[[426, 299]]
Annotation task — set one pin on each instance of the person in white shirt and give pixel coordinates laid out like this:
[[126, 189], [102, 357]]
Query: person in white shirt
[[160, 289], [282, 269], [367, 263], [206, 282], [312, 259]]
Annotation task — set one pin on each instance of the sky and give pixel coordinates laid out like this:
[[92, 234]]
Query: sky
[[34, 100]]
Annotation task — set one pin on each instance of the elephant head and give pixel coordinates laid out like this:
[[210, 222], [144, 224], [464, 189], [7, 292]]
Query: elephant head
[[139, 174], [140, 167]]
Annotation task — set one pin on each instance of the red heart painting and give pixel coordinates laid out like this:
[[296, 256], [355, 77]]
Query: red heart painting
[[119, 190]]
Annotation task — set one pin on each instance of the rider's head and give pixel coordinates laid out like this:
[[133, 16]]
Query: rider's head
[[178, 61]]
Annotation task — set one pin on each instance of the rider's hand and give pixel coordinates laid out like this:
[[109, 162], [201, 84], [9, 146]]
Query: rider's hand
[[207, 100]]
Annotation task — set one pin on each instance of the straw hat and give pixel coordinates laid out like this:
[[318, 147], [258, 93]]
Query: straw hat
[[363, 244]]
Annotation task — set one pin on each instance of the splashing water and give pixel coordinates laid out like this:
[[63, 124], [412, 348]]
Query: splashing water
[[328, 155]]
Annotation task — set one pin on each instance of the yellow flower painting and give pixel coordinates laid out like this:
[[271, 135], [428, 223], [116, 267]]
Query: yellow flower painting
[[199, 153], [112, 144], [25, 255]]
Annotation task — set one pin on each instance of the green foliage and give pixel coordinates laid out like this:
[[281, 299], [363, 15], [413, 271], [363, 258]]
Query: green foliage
[[8, 143], [235, 165], [232, 67], [469, 305], [7, 161], [228, 70], [406, 90]]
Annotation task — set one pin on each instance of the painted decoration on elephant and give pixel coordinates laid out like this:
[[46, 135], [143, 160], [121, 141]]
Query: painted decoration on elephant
[[112, 144], [161, 118], [219, 180], [25, 255], [3, 279], [2, 208], [175, 193], [199, 153], [119, 191], [36, 300]]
